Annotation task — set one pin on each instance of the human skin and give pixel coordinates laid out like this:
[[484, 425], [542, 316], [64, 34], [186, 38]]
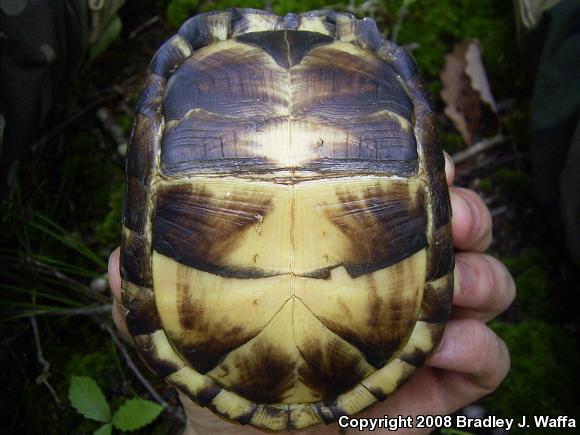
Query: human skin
[[469, 363]]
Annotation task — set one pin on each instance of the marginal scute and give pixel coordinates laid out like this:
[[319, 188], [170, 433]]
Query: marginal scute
[[135, 259], [323, 22], [360, 32], [440, 259], [271, 417], [171, 54], [420, 344], [149, 103], [205, 29], [253, 20], [135, 212], [302, 416], [142, 148], [141, 312], [437, 300], [400, 58], [157, 354]]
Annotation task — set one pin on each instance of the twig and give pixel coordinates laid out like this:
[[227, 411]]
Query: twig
[[111, 126], [176, 413], [411, 46], [477, 148], [60, 127], [499, 210], [87, 290], [144, 26], [43, 377], [43, 362], [88, 311]]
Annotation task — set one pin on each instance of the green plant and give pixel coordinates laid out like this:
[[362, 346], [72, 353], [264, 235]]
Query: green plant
[[88, 399], [109, 35], [180, 10], [530, 272], [544, 367], [108, 232], [514, 182]]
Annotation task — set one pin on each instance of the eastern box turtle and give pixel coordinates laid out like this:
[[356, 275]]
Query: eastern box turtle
[[286, 254]]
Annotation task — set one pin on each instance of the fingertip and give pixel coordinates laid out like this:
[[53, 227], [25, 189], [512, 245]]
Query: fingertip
[[115, 274], [471, 221], [461, 219], [449, 169], [471, 348]]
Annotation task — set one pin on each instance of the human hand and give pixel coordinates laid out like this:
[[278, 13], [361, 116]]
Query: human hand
[[471, 360]]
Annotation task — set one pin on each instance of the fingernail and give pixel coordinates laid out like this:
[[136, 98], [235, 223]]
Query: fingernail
[[451, 164]]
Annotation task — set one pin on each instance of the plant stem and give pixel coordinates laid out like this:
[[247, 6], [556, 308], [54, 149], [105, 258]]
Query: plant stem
[[88, 311], [131, 364]]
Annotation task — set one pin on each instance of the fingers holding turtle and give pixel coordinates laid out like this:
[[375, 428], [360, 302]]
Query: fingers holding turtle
[[474, 356], [483, 287]]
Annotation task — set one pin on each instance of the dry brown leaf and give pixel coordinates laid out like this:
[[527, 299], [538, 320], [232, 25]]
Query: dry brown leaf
[[469, 102]]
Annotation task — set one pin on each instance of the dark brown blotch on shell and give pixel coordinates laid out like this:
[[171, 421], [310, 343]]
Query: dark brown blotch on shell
[[384, 227], [416, 357], [389, 323], [329, 411], [246, 417], [331, 370], [379, 394], [218, 340], [266, 376], [207, 354], [196, 229], [135, 259], [348, 88], [205, 396], [287, 48]]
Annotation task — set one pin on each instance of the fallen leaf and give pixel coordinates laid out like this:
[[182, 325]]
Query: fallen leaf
[[469, 103]]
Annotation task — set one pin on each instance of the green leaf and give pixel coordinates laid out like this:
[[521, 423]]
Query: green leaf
[[136, 413], [88, 399], [105, 429], [109, 35]]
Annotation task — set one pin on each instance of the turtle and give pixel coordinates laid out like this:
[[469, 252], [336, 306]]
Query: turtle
[[286, 252]]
